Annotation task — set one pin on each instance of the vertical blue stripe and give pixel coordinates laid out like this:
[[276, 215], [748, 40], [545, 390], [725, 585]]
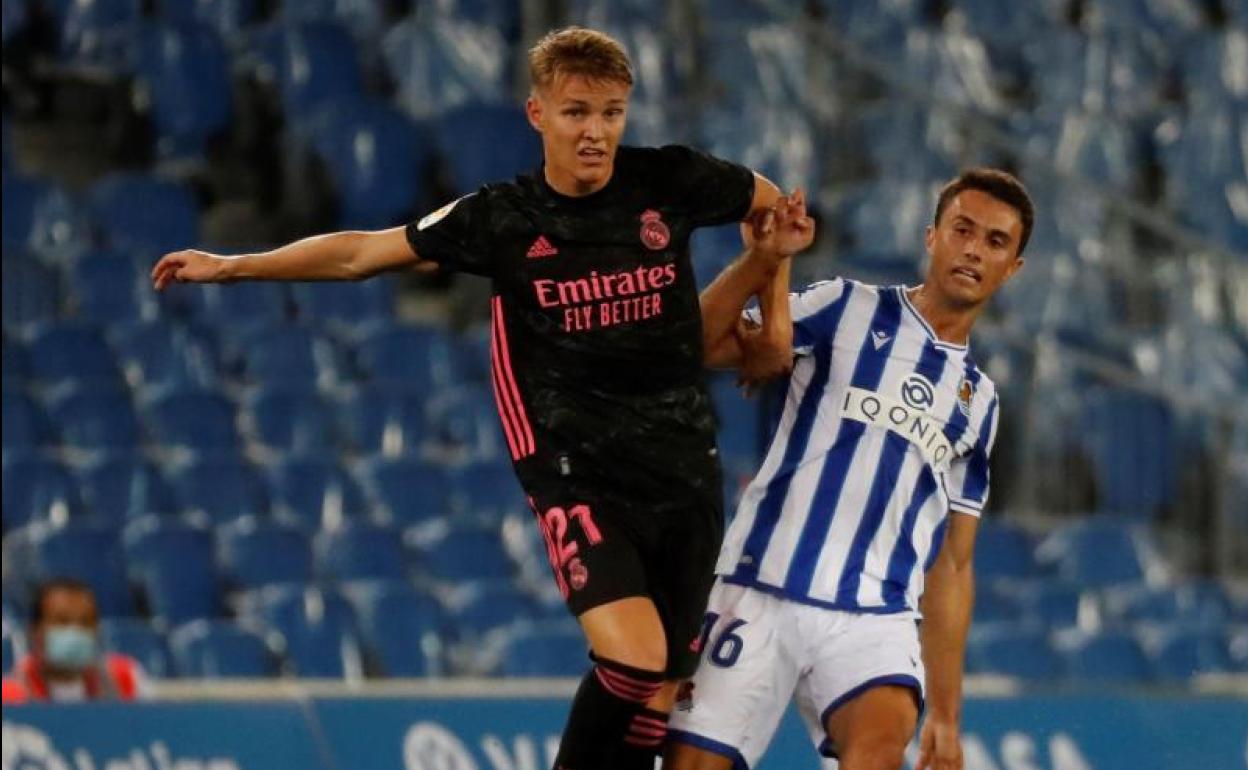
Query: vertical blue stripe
[[867, 373], [883, 484], [975, 485], [770, 507], [901, 562]]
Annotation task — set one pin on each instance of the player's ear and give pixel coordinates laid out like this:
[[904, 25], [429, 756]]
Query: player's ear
[[533, 111], [929, 239]]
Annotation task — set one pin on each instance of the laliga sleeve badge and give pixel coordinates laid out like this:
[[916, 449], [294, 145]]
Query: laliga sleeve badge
[[654, 233], [429, 220]]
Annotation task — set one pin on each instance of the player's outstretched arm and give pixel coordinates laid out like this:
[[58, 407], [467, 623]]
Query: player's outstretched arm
[[344, 256], [948, 598]]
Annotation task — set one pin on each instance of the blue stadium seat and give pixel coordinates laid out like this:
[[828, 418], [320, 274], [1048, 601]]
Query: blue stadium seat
[[37, 489], [230, 18], [417, 357], [1051, 603], [107, 289], [41, 217], [173, 561], [484, 144], [25, 424], [376, 158], [309, 64], [15, 17], [404, 629], [436, 72], [31, 292], [740, 439], [464, 425], [386, 421], [315, 491], [119, 486], [143, 215], [558, 651], [410, 491], [71, 352], [1183, 653], [254, 302], [1132, 440], [289, 353], [1003, 551], [319, 628], [289, 419], [96, 418], [15, 367], [89, 552], [186, 70], [191, 418], [141, 641], [92, 31], [344, 302], [996, 605], [223, 488], [157, 353], [7, 640], [1095, 553], [464, 553], [1014, 651], [488, 605], [1112, 657], [471, 349], [357, 550], [486, 490], [254, 553], [222, 649]]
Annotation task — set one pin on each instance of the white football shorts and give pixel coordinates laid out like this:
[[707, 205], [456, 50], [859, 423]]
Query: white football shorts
[[763, 650]]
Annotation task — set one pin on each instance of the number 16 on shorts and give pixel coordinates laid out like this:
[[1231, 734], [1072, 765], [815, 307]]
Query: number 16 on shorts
[[726, 645], [562, 551]]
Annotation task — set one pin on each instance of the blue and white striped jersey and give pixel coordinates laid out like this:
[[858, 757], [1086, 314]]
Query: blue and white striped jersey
[[885, 430]]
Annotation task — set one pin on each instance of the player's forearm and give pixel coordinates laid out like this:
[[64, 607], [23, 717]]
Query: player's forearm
[[344, 256], [947, 603], [724, 299], [777, 314]]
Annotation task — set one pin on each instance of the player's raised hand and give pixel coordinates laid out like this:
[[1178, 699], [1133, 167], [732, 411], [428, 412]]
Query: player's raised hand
[[783, 230], [188, 266], [940, 747]]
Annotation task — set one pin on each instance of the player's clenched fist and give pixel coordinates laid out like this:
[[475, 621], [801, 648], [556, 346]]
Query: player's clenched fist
[[189, 266]]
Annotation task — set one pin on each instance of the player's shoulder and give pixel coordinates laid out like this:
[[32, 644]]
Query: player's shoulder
[[829, 290]]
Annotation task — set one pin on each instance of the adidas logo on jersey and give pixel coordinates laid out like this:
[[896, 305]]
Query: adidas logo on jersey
[[541, 248]]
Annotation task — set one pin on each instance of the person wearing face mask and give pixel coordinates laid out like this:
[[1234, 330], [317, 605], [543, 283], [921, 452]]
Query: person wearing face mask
[[65, 663]]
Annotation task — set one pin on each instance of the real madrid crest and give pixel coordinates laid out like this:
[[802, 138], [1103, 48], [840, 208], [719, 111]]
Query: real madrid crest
[[654, 232]]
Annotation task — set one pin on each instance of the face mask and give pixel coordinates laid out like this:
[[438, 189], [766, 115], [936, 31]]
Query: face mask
[[68, 647]]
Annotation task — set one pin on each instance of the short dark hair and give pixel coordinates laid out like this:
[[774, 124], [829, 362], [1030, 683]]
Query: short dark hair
[[55, 584], [1001, 185]]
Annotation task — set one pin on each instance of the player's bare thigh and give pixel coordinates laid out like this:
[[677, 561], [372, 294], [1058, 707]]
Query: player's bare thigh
[[628, 631], [871, 731], [682, 756]]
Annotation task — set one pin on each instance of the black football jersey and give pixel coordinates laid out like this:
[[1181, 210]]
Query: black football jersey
[[596, 343]]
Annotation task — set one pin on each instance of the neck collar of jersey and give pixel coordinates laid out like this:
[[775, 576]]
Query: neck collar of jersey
[[578, 200], [904, 292]]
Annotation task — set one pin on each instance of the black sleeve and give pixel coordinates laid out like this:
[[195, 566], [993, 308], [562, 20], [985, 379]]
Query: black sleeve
[[712, 190], [456, 236]]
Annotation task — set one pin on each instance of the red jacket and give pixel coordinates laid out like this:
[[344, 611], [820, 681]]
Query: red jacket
[[27, 684]]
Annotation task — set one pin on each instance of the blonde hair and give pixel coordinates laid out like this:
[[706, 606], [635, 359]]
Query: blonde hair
[[578, 51]]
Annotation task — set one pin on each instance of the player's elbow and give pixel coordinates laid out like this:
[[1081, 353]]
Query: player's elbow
[[723, 353]]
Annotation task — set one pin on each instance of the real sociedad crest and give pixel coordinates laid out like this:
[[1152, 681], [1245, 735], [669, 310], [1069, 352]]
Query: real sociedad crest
[[966, 392]]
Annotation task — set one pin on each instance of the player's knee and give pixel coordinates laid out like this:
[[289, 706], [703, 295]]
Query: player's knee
[[875, 751], [639, 653]]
